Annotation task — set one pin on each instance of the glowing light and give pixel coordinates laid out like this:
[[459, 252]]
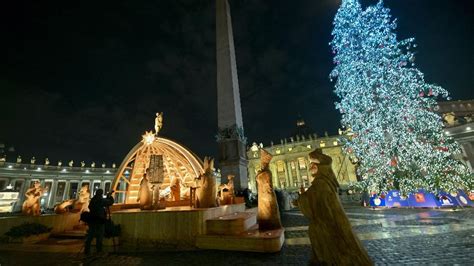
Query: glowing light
[[468, 128], [389, 107], [10, 166], [107, 172], [39, 168], [148, 138], [64, 170], [87, 171]]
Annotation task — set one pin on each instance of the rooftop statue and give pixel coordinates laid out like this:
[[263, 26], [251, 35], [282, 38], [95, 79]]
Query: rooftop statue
[[158, 122]]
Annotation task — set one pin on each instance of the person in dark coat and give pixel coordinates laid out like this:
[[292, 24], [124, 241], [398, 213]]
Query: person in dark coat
[[98, 213], [330, 232]]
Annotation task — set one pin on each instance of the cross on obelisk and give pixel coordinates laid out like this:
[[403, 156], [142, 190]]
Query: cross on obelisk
[[232, 153]]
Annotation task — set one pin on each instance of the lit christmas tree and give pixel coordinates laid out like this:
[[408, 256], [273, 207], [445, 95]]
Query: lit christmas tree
[[397, 136]]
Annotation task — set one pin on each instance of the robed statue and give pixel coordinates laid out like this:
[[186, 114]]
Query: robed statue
[[268, 215], [330, 232], [145, 193]]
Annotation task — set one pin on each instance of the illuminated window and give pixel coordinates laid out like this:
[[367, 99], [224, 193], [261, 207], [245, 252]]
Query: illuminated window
[[278, 151], [334, 142], [322, 144], [308, 146], [302, 163], [289, 149], [280, 166]]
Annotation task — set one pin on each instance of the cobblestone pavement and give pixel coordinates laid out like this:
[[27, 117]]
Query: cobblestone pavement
[[391, 236]]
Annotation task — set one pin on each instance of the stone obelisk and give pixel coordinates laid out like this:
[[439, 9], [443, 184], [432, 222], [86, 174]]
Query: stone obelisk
[[232, 155]]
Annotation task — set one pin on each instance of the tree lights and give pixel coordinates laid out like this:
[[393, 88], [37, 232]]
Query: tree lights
[[385, 100]]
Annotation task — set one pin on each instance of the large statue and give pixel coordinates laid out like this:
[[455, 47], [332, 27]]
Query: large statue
[[64, 206], [175, 188], [331, 235], [227, 190], [31, 205], [84, 197], [268, 215], [206, 186], [144, 194], [158, 122], [75, 205]]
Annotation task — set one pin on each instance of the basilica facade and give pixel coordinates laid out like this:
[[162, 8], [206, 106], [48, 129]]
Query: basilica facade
[[290, 162]]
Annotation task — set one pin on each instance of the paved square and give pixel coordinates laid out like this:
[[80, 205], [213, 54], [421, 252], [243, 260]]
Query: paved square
[[391, 236]]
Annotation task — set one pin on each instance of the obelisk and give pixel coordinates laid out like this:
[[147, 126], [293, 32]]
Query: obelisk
[[231, 139]]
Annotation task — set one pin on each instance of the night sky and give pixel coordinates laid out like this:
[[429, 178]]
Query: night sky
[[82, 80]]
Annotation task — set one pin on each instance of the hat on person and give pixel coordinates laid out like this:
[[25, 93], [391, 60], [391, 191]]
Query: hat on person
[[265, 156], [317, 156]]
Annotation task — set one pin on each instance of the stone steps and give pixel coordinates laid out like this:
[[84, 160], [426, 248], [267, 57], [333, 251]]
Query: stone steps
[[252, 240], [71, 234], [239, 232], [232, 224]]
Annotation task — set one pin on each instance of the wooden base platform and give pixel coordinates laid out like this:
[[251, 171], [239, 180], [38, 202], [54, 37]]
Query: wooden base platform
[[173, 226]]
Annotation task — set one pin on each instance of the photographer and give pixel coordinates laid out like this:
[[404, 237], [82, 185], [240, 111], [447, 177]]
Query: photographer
[[98, 212]]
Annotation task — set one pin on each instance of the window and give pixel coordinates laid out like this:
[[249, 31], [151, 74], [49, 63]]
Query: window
[[95, 187], [60, 192], [73, 190], [18, 185], [280, 166], [107, 188], [302, 163]]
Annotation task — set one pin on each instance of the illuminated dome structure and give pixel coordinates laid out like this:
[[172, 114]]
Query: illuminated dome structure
[[178, 161]]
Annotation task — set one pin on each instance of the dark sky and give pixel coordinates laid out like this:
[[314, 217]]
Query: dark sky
[[82, 79]]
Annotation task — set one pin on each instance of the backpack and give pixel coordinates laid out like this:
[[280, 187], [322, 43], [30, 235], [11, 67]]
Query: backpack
[[86, 217]]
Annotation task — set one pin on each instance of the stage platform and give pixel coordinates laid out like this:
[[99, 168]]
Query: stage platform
[[171, 227]]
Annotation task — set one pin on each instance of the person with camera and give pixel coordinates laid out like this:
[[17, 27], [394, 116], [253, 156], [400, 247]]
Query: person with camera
[[98, 217]]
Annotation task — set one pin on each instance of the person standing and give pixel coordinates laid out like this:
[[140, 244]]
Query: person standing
[[98, 217], [330, 232]]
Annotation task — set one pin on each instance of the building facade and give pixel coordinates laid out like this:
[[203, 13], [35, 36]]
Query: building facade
[[458, 121], [289, 165], [60, 182]]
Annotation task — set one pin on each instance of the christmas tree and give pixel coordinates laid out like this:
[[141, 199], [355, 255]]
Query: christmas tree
[[385, 101]]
